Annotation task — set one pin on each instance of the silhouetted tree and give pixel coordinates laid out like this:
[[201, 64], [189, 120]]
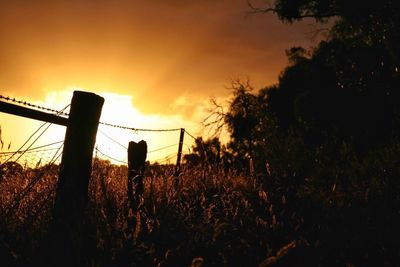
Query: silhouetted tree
[[204, 152], [346, 86], [327, 135], [368, 21]]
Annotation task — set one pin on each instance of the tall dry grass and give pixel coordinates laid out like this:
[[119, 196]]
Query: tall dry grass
[[215, 217]]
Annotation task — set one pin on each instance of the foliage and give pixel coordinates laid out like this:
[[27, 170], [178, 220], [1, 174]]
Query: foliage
[[344, 91], [214, 219], [204, 152], [328, 133], [224, 218]]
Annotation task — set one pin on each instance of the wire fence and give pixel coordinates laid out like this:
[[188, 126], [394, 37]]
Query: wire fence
[[116, 152], [29, 174]]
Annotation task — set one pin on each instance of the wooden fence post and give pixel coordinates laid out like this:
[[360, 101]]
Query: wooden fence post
[[137, 153], [179, 157], [75, 170]]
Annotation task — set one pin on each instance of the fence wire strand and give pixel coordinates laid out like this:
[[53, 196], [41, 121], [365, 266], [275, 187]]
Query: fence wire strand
[[33, 150], [190, 135], [28, 104], [30, 137], [112, 139], [138, 129], [18, 198], [161, 148], [112, 158]]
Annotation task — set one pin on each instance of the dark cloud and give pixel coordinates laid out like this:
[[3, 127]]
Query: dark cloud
[[153, 50]]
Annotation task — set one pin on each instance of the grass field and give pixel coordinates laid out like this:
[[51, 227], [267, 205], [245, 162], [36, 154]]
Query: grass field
[[215, 218]]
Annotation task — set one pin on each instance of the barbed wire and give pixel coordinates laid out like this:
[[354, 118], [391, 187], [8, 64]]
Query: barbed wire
[[28, 104], [138, 129], [18, 197], [33, 150]]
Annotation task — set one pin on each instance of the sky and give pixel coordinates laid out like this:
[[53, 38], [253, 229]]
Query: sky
[[157, 63]]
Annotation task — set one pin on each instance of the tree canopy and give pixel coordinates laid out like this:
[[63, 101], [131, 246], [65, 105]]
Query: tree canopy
[[347, 86], [340, 99]]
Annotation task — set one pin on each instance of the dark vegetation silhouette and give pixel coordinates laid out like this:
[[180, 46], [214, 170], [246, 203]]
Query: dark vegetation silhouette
[[327, 135], [310, 176]]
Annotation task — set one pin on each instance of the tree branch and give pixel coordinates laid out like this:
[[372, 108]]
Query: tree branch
[[302, 14]]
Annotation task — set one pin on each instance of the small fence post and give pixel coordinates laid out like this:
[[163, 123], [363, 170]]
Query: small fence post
[[72, 188], [137, 153], [179, 157]]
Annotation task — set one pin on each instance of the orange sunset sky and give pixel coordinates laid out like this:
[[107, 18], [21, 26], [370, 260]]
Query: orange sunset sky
[[156, 62]]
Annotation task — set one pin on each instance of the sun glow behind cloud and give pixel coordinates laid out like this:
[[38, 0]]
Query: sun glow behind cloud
[[118, 110], [111, 142], [155, 62]]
